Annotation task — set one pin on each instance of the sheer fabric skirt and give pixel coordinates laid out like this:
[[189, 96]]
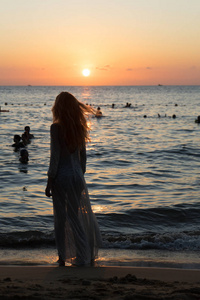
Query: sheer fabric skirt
[[76, 229]]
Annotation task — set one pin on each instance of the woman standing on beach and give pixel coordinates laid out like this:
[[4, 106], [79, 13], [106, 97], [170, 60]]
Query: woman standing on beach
[[76, 230]]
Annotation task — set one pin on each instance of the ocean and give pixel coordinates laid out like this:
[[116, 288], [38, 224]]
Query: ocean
[[142, 174]]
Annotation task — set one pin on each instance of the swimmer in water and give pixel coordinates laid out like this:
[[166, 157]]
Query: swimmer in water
[[197, 120], [27, 136], [24, 156], [17, 144], [98, 113]]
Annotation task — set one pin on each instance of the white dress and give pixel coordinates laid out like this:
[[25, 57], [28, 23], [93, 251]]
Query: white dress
[[76, 229]]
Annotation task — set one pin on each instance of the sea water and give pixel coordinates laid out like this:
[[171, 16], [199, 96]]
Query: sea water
[[142, 174]]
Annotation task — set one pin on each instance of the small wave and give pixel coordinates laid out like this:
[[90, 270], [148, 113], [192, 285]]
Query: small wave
[[177, 241], [160, 218], [26, 239], [182, 150], [170, 241]]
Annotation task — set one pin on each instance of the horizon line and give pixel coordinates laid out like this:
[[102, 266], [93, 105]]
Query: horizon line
[[129, 85]]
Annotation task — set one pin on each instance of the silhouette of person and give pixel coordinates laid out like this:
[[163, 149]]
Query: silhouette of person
[[27, 136], [24, 156], [98, 112], [76, 230], [17, 144]]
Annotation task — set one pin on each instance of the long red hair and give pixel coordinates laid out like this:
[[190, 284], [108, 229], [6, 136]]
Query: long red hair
[[71, 114]]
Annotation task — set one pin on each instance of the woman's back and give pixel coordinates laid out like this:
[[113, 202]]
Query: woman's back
[[65, 162]]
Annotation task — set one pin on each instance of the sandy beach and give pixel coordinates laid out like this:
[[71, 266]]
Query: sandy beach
[[35, 282]]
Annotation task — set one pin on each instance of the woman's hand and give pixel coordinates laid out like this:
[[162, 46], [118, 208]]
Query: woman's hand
[[48, 187], [48, 191]]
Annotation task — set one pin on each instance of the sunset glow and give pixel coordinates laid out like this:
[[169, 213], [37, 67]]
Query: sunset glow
[[120, 42]]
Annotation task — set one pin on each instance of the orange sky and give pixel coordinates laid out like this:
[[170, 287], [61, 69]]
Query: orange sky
[[122, 42]]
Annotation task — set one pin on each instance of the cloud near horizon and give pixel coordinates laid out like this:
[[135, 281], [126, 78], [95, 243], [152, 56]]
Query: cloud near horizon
[[105, 68], [132, 69]]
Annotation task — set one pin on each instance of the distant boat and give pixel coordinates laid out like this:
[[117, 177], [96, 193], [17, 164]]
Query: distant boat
[[160, 84], [3, 110]]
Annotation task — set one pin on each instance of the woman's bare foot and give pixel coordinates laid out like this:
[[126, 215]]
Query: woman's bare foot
[[61, 262]]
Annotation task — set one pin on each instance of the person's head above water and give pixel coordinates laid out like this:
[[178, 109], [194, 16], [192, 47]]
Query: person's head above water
[[27, 128], [70, 114], [16, 138]]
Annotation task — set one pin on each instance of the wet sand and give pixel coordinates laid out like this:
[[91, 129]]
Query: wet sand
[[36, 282]]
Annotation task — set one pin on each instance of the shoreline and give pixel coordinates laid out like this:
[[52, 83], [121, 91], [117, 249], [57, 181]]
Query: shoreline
[[152, 273], [106, 258], [52, 282]]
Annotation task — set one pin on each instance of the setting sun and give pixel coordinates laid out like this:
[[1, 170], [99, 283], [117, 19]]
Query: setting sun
[[86, 72]]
